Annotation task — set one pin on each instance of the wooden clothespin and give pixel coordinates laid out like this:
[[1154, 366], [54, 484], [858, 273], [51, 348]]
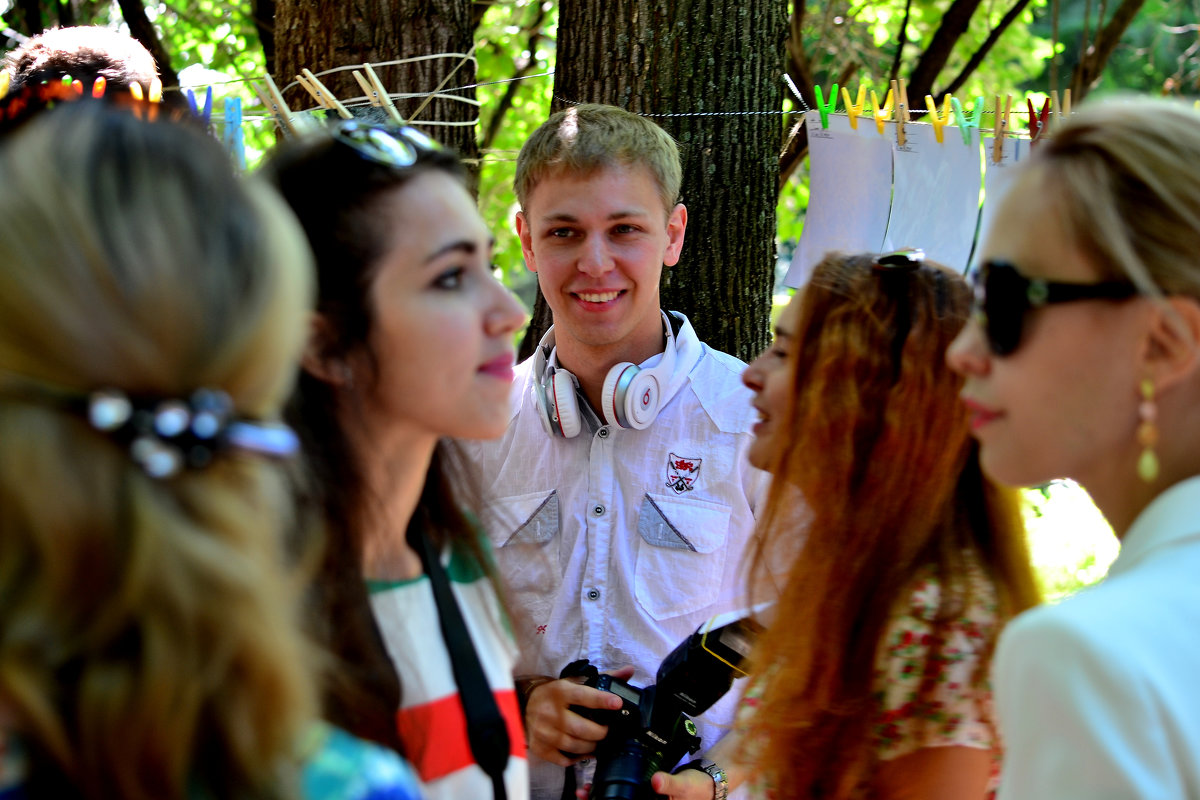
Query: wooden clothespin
[[854, 110], [826, 108], [938, 121], [965, 123], [1066, 106], [368, 90], [1001, 126], [901, 93], [273, 100], [318, 91], [882, 115], [384, 97]]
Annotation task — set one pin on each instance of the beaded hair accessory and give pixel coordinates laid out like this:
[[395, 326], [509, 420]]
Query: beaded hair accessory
[[165, 436]]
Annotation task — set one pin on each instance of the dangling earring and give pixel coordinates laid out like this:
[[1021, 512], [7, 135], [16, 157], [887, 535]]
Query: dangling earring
[[666, 278], [1147, 433]]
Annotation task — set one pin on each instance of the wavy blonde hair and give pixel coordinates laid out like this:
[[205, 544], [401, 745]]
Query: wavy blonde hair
[[149, 640]]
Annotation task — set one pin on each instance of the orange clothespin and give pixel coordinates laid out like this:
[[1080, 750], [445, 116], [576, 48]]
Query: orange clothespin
[[1037, 120], [882, 115], [1001, 127], [937, 121], [854, 110], [98, 86]]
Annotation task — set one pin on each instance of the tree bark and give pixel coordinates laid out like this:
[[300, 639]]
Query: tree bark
[[324, 34], [1092, 61], [708, 62]]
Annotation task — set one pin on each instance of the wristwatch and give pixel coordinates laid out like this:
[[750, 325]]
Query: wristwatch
[[714, 771]]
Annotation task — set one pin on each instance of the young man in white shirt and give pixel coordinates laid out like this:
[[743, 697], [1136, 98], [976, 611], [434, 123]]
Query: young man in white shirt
[[619, 501]]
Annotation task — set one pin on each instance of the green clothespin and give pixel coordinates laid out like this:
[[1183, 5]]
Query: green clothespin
[[965, 123], [826, 109]]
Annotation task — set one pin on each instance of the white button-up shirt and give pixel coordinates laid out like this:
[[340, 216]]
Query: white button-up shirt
[[1099, 695], [616, 545]]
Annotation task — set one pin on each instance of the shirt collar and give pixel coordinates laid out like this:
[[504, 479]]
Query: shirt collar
[[1173, 516]]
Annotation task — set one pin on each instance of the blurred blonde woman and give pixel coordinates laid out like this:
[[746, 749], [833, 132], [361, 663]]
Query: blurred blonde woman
[[152, 311], [1084, 362]]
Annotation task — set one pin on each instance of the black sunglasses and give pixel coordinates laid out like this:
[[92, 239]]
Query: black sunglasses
[[1003, 296], [395, 147], [892, 268]]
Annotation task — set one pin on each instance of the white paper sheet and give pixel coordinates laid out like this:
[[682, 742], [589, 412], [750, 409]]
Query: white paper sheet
[[935, 197], [997, 179], [850, 179]]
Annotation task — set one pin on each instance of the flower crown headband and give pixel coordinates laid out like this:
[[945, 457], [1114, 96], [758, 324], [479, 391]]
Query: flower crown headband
[[20, 106]]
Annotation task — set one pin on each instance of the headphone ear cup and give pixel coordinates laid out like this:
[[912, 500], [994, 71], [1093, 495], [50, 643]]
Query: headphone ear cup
[[641, 400], [565, 405], [612, 394]]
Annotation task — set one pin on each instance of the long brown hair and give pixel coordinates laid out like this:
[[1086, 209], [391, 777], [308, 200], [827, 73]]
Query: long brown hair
[[339, 197], [878, 447]]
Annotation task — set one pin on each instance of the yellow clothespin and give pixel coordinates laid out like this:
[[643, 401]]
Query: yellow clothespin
[[938, 121], [853, 110], [882, 115], [384, 96], [1001, 126], [5, 79], [318, 89], [135, 90], [368, 90], [155, 90]]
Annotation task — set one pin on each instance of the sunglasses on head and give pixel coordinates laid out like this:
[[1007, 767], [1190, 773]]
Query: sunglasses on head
[[1003, 296], [892, 268], [394, 147]]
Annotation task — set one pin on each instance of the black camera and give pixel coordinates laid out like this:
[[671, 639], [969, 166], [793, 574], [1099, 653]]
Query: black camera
[[653, 729]]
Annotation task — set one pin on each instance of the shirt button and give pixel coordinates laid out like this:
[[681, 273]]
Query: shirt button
[[598, 510], [593, 594], [603, 432]]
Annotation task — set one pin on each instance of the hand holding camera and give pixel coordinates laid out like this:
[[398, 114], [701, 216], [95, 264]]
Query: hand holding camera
[[558, 734]]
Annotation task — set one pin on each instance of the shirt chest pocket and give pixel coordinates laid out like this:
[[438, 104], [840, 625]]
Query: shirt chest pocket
[[524, 531], [681, 554]]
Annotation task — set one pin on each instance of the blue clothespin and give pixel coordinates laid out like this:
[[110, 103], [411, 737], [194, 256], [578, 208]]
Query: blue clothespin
[[235, 141], [826, 109], [965, 123], [204, 114]]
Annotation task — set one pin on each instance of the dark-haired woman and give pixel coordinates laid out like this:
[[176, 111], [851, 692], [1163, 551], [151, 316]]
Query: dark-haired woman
[[411, 344]]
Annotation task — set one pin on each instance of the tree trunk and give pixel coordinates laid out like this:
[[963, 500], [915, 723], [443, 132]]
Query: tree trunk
[[324, 34], [694, 66]]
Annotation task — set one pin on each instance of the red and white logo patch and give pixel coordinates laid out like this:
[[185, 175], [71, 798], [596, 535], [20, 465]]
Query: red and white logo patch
[[682, 473]]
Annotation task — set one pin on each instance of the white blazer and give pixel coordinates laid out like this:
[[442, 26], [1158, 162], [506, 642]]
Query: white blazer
[[1098, 697]]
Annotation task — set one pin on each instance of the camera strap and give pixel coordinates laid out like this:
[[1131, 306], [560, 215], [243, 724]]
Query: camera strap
[[486, 729]]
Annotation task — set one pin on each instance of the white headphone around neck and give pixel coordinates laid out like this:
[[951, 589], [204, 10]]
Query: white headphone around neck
[[629, 398]]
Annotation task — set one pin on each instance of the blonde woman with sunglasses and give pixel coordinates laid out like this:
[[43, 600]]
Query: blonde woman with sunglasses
[[1083, 362]]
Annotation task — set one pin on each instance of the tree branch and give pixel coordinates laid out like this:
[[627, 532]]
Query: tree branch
[[142, 30], [977, 58], [524, 67], [900, 40], [1092, 64], [954, 25]]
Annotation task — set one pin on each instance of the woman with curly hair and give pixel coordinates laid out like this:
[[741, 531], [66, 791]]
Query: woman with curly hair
[[872, 680]]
